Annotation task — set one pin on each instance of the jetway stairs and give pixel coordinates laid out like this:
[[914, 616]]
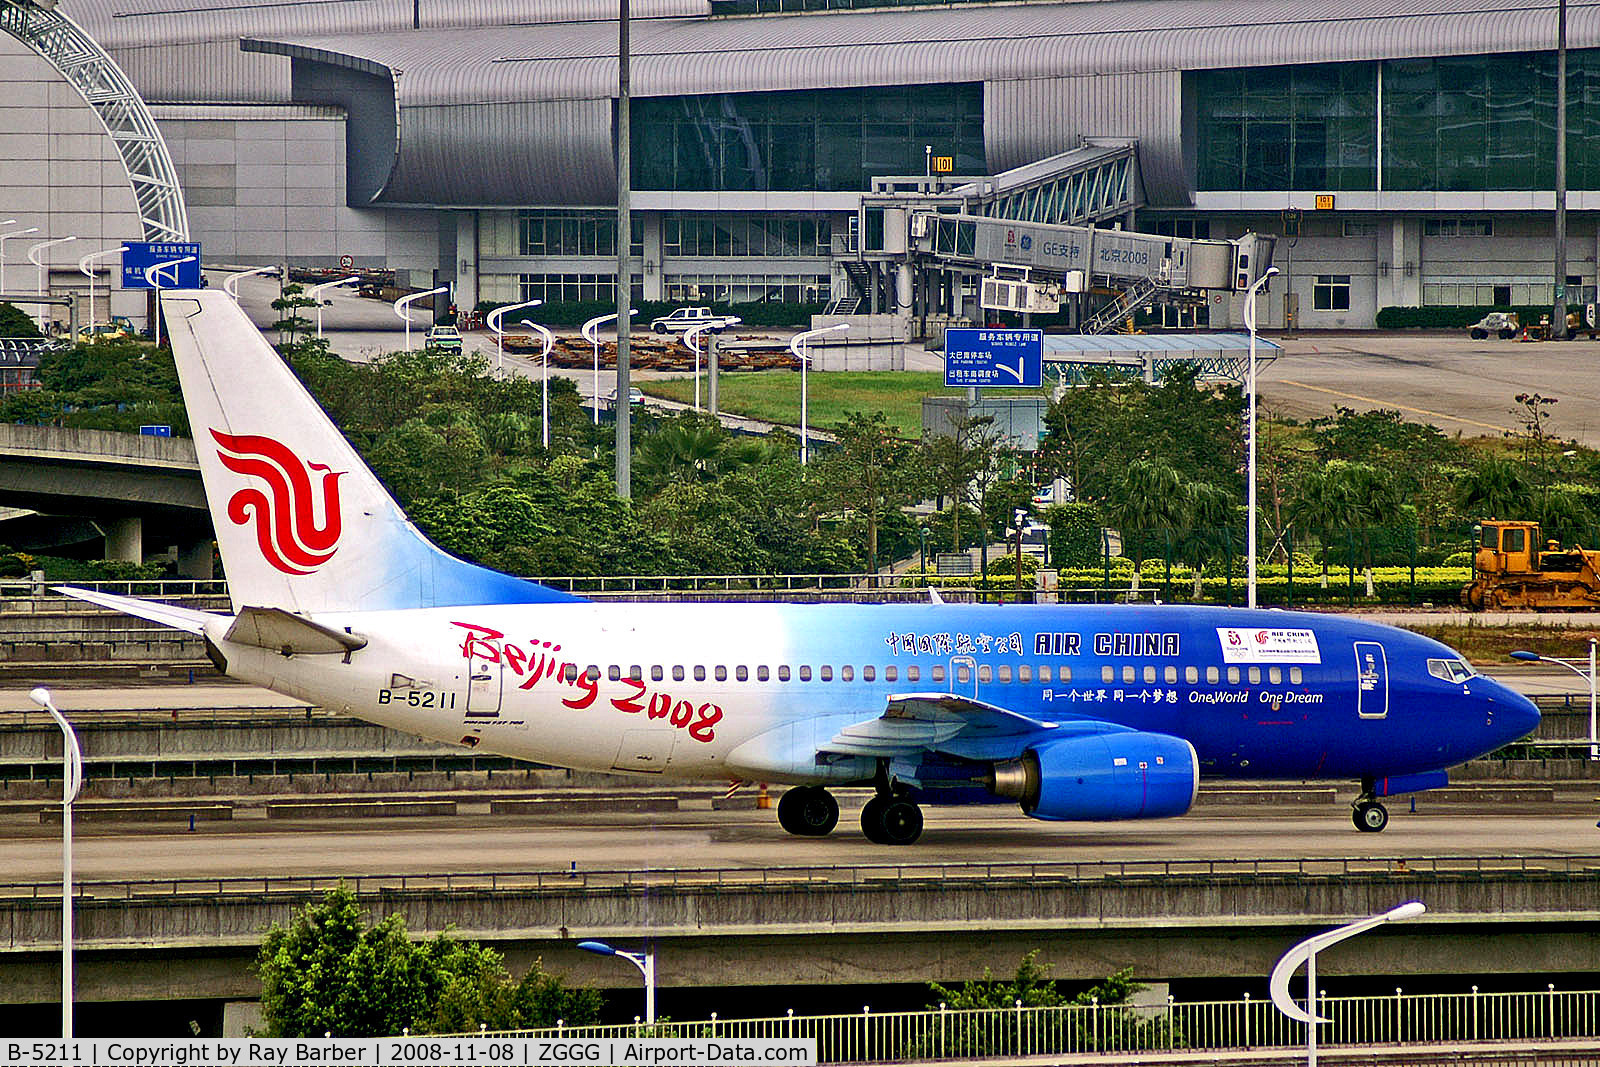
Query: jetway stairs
[[1140, 291]]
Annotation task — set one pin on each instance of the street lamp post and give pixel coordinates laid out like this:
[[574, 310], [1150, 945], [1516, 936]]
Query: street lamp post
[[315, 291], [71, 782], [493, 320], [230, 284], [38, 261], [88, 272], [691, 337], [1250, 510], [1586, 675], [645, 961], [549, 340], [152, 274], [4, 237], [591, 331], [402, 307], [798, 345], [1306, 952]]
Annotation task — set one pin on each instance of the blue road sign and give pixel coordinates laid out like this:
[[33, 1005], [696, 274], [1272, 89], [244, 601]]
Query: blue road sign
[[975, 358], [150, 265]]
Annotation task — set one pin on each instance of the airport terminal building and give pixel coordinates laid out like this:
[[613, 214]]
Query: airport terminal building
[[471, 141]]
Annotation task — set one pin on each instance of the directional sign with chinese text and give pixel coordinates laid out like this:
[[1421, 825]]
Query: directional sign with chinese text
[[974, 358], [143, 255]]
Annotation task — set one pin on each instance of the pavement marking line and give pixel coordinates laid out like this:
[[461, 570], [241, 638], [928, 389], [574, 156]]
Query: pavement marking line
[[1391, 405]]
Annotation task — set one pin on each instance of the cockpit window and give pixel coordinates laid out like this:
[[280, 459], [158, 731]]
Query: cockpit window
[[1451, 670]]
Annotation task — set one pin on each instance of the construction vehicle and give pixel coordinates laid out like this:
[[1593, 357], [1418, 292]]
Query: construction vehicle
[[1511, 572]]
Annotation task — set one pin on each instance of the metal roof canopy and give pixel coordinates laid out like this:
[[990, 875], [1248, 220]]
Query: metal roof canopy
[[1220, 357]]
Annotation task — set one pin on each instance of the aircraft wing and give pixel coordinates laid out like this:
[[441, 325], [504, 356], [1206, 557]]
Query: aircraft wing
[[918, 722]]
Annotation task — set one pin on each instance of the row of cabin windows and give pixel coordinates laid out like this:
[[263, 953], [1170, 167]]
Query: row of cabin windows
[[1003, 673]]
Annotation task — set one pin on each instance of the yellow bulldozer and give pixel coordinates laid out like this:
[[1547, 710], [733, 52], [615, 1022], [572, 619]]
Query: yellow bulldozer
[[1511, 572]]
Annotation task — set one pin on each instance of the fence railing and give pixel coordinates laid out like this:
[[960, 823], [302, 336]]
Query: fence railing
[[1401, 1019]]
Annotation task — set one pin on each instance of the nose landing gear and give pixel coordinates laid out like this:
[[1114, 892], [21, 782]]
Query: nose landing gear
[[1369, 816]]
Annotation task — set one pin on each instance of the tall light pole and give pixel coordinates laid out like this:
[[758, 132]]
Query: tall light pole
[[230, 284], [798, 345], [4, 237], [152, 274], [402, 307], [1586, 675], [1250, 510], [315, 294], [71, 782], [624, 424], [645, 961], [1558, 324], [38, 261], [88, 272], [549, 340], [591, 332], [493, 320], [1306, 952]]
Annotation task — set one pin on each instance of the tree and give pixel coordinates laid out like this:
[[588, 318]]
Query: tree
[[1495, 488], [17, 323], [330, 971], [871, 474], [1150, 498], [290, 324], [952, 460]]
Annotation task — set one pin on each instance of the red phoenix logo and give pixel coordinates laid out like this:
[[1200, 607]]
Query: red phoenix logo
[[286, 526]]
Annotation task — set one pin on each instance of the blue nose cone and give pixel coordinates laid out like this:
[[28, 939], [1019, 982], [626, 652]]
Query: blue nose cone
[[1514, 716]]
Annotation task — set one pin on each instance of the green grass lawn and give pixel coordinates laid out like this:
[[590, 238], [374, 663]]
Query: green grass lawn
[[774, 395]]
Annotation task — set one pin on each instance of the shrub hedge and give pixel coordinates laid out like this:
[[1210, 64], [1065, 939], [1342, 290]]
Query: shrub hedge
[[1452, 316]]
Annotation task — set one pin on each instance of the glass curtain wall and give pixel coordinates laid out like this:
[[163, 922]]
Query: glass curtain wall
[[1307, 127]]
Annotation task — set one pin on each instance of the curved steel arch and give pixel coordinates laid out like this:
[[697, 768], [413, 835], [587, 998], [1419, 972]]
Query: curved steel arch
[[78, 58]]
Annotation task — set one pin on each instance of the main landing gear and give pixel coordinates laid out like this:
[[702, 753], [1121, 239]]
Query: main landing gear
[[808, 811], [1369, 816], [891, 817]]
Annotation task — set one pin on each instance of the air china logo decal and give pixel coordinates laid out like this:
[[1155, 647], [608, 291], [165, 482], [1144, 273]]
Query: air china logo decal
[[286, 523], [1244, 644]]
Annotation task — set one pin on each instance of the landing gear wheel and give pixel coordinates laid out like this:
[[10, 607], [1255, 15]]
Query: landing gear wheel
[[808, 811], [1370, 816], [891, 820]]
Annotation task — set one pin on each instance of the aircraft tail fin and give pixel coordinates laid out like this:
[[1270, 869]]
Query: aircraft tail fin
[[301, 521]]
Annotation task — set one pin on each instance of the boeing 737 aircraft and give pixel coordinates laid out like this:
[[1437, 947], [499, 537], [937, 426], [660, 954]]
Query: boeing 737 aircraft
[[1075, 712]]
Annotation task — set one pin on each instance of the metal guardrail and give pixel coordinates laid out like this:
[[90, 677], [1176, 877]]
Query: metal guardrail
[[877, 874], [1449, 1019]]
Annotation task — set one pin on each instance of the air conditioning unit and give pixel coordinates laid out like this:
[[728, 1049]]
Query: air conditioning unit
[[919, 225], [1004, 294]]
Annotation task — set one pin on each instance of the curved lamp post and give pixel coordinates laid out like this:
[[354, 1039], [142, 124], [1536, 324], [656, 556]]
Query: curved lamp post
[[402, 307], [88, 272], [492, 320], [798, 346], [1586, 675], [645, 961], [1250, 510], [38, 261], [549, 340], [4, 237], [71, 782], [691, 337], [152, 274], [230, 284], [315, 290], [1306, 952], [591, 331]]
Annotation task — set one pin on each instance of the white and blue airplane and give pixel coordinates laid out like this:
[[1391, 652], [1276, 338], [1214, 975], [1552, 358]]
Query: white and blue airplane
[[1075, 712]]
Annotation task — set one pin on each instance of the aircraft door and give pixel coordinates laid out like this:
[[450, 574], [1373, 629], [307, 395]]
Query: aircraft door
[[1372, 680], [964, 676], [485, 679]]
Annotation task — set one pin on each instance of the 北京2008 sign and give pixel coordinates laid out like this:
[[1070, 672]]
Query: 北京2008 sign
[[977, 358]]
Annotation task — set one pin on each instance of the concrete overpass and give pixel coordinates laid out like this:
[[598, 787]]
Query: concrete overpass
[[138, 488]]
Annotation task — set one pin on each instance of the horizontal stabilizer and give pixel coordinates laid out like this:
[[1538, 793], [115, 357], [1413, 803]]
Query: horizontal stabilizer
[[290, 634], [186, 619]]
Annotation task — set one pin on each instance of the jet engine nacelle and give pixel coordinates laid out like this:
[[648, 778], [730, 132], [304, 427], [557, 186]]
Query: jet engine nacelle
[[1126, 775]]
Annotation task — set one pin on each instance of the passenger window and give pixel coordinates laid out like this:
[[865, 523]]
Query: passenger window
[[1005, 673], [699, 674], [1149, 676], [741, 674], [891, 674], [847, 673], [593, 673], [1296, 675], [783, 673], [721, 673], [1108, 673], [762, 674], [656, 674], [569, 672], [1275, 675], [614, 672], [805, 674], [1024, 673], [1062, 675], [985, 673], [825, 673], [1255, 675], [938, 673], [869, 674], [636, 672], [913, 674], [1233, 675], [1044, 672], [1127, 676], [1212, 676], [1170, 675], [677, 673], [963, 673], [1191, 675]]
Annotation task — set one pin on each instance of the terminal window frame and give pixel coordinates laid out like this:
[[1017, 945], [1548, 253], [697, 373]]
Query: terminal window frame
[[1331, 292]]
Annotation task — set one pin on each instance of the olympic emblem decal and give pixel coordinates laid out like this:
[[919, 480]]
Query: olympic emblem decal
[[287, 529]]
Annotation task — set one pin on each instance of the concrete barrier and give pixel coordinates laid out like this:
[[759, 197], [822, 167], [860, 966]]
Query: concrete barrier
[[145, 812], [559, 805], [359, 809]]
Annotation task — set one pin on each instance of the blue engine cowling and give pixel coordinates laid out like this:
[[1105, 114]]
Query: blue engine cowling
[[1127, 775]]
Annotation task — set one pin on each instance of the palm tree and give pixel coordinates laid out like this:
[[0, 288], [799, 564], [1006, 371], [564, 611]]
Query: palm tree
[[687, 449], [1495, 488], [1150, 498]]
